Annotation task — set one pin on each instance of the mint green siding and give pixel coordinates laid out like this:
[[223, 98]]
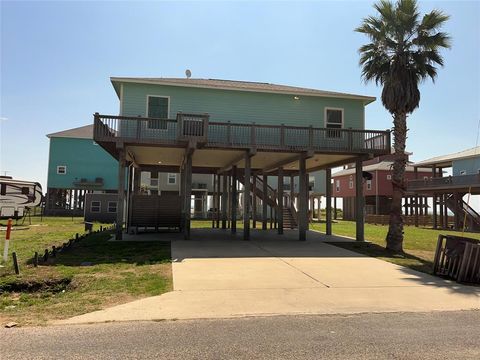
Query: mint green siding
[[242, 106], [470, 166], [84, 160]]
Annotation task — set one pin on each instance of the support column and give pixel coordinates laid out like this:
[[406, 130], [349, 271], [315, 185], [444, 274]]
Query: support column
[[188, 194], [214, 201], [224, 202], [302, 200], [234, 200], [434, 201], [246, 197], [360, 201], [217, 204], [280, 200], [456, 218], [328, 190], [292, 191], [121, 194], [264, 202], [254, 201], [334, 207]]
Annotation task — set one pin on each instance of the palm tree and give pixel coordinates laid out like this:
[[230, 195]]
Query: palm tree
[[404, 51]]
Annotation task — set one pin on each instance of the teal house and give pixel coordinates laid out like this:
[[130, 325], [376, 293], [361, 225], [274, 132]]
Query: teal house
[[77, 165], [247, 135]]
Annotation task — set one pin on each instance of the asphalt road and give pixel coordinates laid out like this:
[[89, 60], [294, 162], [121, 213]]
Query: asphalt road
[[441, 335]]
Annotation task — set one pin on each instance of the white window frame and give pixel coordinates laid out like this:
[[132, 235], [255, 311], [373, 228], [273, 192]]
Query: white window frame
[[168, 110], [108, 207], [64, 170], [99, 206], [169, 176], [337, 185], [325, 122]]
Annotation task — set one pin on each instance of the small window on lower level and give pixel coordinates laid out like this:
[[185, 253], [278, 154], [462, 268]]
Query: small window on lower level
[[95, 207], [61, 169], [172, 179], [112, 207]]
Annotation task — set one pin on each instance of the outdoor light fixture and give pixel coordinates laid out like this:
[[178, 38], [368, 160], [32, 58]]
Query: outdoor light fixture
[[296, 98], [159, 162]]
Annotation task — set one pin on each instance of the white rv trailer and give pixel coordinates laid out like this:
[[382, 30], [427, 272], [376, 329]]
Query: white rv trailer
[[16, 196]]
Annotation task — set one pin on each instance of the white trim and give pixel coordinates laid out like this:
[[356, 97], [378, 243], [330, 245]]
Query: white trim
[[366, 99], [121, 100], [64, 169], [99, 206]]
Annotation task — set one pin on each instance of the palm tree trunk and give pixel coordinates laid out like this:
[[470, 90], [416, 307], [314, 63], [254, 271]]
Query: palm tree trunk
[[395, 230]]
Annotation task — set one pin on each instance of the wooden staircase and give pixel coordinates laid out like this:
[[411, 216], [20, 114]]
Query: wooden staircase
[[461, 208], [289, 212]]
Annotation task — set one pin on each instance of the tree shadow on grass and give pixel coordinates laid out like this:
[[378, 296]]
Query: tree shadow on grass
[[96, 249]]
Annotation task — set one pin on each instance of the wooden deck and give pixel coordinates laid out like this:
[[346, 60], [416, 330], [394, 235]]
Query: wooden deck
[[186, 128]]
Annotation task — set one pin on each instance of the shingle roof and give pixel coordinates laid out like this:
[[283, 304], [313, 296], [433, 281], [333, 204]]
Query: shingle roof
[[446, 160], [83, 132], [381, 166], [242, 86]]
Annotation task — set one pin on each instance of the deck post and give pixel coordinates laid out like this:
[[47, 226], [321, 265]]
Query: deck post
[[224, 202], [121, 193], [434, 200], [334, 207], [214, 201], [246, 197], [307, 186], [415, 171], [360, 201], [234, 200], [292, 191], [280, 200], [302, 199], [254, 201], [264, 201], [217, 203], [188, 194], [328, 207]]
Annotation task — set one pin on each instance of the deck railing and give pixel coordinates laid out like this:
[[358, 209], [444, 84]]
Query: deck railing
[[444, 182], [108, 128]]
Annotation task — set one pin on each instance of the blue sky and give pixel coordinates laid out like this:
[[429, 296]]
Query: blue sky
[[57, 57]]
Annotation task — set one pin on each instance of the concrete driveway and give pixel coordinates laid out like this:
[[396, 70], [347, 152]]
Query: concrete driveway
[[217, 275]]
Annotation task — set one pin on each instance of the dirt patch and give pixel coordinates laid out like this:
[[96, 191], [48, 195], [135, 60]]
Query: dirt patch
[[53, 285]]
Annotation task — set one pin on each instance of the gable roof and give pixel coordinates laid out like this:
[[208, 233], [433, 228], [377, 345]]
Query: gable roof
[[446, 160], [82, 132], [239, 86]]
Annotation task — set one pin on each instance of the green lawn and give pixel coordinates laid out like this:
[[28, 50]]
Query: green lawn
[[91, 275], [419, 243]]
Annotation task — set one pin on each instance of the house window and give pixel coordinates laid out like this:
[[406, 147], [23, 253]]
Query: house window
[[95, 207], [172, 179], [333, 120], [463, 172], [61, 169], [25, 190], [350, 182], [389, 177], [311, 184], [154, 182], [369, 184], [112, 207], [158, 108], [3, 189], [337, 186]]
